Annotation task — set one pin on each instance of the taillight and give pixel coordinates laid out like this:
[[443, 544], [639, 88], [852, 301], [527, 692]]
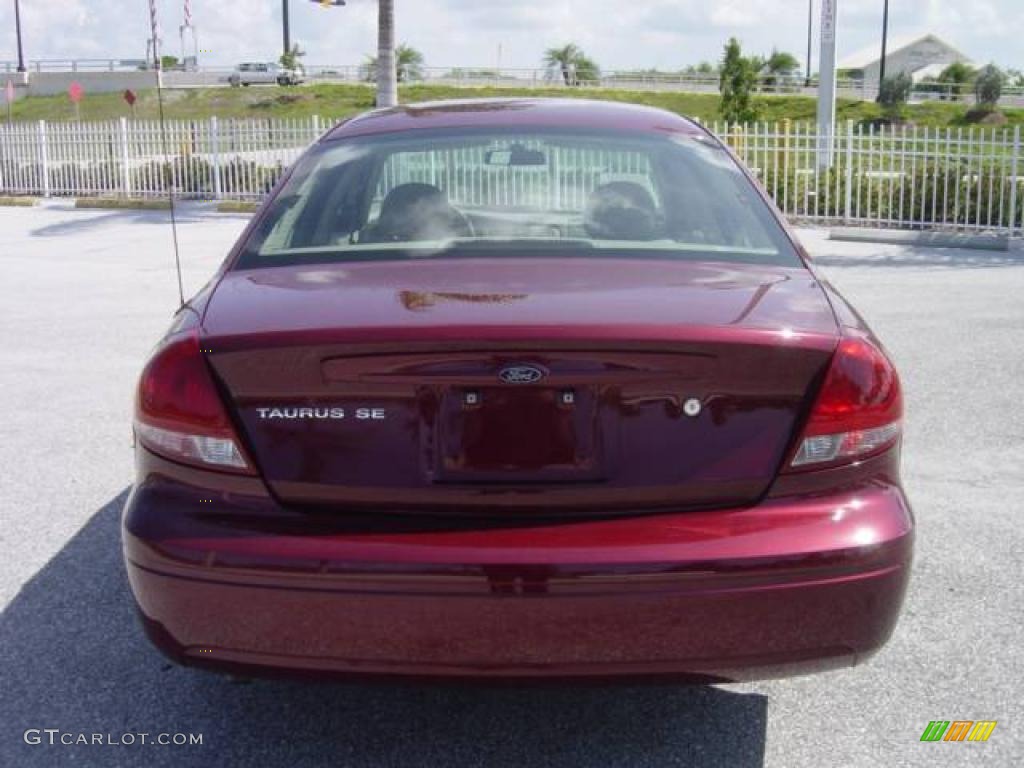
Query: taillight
[[179, 413], [857, 412]]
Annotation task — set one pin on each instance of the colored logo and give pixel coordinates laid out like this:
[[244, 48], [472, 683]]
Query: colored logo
[[520, 374], [959, 730]]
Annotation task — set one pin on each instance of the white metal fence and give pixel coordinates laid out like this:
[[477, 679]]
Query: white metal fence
[[921, 178], [211, 159], [925, 178]]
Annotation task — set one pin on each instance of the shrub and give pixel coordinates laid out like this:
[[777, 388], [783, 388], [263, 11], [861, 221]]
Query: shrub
[[737, 82], [893, 95], [239, 177], [75, 177], [988, 87], [939, 191], [186, 176]]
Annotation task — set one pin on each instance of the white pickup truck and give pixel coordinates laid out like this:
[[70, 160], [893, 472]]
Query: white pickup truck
[[260, 73]]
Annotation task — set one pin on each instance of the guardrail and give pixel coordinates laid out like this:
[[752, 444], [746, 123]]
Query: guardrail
[[536, 77], [906, 177], [76, 65]]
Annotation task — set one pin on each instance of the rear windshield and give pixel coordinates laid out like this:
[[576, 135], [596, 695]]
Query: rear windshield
[[534, 193]]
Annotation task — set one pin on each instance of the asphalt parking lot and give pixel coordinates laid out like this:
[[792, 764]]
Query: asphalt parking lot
[[87, 293]]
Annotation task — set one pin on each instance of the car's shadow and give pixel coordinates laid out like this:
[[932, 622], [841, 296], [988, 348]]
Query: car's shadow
[[74, 658], [185, 212]]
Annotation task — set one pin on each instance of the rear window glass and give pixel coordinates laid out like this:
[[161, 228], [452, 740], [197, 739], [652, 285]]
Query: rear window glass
[[425, 194]]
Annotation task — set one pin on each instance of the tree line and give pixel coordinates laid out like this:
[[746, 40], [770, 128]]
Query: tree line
[[739, 77]]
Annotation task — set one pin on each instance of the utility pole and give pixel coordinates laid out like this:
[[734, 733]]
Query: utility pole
[[17, 29], [885, 41], [284, 26], [827, 83], [810, 28]]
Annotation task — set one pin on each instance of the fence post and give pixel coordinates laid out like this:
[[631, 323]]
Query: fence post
[[6, 183], [848, 174], [215, 141], [1013, 180], [785, 206], [316, 127], [44, 158], [126, 175]]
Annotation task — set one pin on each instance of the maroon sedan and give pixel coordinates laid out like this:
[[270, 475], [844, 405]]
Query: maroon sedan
[[518, 389]]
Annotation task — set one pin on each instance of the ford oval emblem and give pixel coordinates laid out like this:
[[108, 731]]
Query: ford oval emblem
[[520, 374]]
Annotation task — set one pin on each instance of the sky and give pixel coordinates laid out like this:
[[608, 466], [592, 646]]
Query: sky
[[619, 34]]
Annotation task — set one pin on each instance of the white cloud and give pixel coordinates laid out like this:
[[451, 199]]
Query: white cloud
[[733, 15], [618, 33]]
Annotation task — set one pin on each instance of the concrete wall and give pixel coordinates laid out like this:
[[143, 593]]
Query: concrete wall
[[192, 79], [49, 83], [20, 81]]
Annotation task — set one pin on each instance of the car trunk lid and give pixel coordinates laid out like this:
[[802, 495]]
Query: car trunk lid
[[532, 385]]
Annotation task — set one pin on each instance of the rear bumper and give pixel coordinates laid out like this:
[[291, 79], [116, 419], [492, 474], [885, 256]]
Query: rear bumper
[[789, 586]]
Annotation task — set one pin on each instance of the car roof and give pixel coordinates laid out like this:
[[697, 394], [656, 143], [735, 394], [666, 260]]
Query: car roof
[[516, 113]]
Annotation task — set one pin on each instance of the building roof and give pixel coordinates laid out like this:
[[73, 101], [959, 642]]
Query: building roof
[[513, 113], [865, 57]]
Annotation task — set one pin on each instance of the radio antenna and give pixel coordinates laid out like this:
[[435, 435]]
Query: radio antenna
[[155, 28]]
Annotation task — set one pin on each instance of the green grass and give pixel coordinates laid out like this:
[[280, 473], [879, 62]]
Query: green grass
[[338, 101], [17, 202], [197, 103], [236, 206], [122, 202]]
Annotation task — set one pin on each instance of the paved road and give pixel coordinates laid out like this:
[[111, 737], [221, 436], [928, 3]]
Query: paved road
[[87, 293]]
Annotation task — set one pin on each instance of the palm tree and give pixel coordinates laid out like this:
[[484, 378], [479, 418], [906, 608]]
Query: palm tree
[[572, 63], [561, 59], [387, 74], [293, 58], [408, 65]]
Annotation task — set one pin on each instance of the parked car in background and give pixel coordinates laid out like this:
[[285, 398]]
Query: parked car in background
[[519, 389], [264, 73]]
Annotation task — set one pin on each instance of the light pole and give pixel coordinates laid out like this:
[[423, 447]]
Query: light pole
[[810, 27], [284, 27], [17, 30], [885, 40]]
